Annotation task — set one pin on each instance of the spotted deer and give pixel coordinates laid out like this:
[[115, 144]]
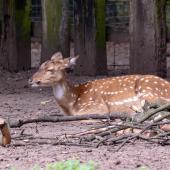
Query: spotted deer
[[114, 94]]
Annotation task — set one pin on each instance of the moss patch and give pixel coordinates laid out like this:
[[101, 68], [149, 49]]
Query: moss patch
[[53, 9], [100, 23], [159, 5], [22, 17]]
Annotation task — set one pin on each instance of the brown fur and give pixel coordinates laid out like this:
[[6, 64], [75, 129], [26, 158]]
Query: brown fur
[[115, 94]]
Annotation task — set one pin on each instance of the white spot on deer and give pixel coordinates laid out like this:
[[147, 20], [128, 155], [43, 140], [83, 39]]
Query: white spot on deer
[[155, 82], [129, 100], [91, 90], [146, 80], [149, 94], [91, 98], [144, 91], [126, 101], [108, 102], [149, 88], [146, 95], [135, 98], [118, 103], [102, 92]]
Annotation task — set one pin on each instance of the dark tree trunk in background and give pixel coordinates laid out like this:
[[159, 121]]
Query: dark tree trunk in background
[[1, 17], [148, 37], [15, 44], [89, 37], [55, 30], [64, 35]]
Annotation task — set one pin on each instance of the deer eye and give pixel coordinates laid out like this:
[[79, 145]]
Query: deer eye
[[50, 69]]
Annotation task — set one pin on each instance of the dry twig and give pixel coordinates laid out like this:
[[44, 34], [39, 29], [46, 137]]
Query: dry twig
[[109, 134], [21, 122]]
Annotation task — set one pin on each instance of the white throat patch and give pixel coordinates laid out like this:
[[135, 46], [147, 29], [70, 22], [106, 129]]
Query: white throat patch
[[58, 91]]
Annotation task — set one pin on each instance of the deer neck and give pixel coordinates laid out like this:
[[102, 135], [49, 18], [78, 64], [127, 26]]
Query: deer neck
[[64, 95]]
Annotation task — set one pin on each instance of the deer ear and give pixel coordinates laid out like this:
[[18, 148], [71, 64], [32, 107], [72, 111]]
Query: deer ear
[[68, 62], [57, 56], [73, 60]]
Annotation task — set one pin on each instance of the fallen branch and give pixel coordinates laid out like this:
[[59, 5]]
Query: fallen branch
[[21, 122], [50, 141], [155, 130], [153, 112]]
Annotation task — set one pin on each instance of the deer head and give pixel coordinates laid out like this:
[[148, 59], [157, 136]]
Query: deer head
[[52, 71]]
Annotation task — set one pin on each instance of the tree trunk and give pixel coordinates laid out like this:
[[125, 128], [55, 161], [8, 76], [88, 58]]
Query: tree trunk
[[64, 35], [15, 45], [89, 37], [55, 28], [1, 16], [148, 37]]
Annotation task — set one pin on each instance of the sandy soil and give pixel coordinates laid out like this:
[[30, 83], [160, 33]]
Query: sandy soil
[[18, 100]]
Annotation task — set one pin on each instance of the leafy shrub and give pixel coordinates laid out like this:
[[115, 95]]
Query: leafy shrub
[[66, 165]]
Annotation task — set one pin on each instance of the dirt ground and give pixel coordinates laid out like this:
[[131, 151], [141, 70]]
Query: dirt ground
[[18, 100]]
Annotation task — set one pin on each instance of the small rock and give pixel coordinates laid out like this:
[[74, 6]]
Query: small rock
[[88, 150], [117, 162]]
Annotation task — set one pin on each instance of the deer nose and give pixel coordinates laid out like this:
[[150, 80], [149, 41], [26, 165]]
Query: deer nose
[[38, 82], [30, 81]]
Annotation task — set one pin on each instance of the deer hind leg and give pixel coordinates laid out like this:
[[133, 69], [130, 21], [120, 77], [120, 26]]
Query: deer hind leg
[[138, 106], [159, 102]]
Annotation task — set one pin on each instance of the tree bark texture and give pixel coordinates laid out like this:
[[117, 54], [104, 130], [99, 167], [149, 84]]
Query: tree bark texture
[[148, 37], [90, 37], [55, 25], [1, 16], [64, 35], [15, 44]]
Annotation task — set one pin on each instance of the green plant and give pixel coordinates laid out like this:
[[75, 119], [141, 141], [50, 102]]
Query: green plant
[[143, 168], [66, 165]]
